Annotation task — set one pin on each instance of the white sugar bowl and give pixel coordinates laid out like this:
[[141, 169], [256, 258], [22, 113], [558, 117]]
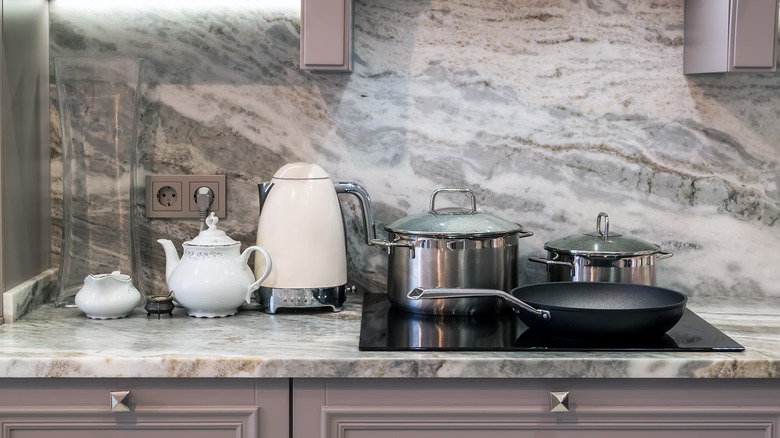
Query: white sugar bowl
[[107, 296]]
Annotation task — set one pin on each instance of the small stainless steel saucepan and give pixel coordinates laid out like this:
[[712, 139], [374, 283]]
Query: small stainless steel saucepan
[[602, 256], [585, 309]]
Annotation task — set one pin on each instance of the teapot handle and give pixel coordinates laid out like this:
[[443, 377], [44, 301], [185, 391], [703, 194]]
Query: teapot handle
[[244, 257]]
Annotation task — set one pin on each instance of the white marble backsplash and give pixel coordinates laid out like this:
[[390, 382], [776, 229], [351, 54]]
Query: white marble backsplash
[[550, 110]]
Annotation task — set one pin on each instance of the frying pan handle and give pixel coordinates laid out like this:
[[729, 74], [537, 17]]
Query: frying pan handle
[[554, 262], [423, 293]]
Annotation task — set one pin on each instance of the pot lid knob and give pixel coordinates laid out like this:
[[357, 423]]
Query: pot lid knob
[[604, 233], [212, 236], [432, 206], [602, 227]]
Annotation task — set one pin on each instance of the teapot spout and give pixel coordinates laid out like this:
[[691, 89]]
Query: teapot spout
[[171, 257]]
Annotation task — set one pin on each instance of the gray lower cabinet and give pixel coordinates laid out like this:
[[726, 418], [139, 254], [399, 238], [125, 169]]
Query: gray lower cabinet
[[160, 408], [519, 408], [399, 408]]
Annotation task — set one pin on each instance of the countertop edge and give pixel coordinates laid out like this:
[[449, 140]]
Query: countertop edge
[[252, 368], [52, 342]]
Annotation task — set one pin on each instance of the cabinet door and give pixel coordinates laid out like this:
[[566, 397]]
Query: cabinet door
[[167, 408], [755, 24], [520, 408], [475, 423], [326, 35], [730, 35]]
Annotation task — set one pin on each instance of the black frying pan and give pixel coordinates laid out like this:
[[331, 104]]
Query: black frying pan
[[584, 309]]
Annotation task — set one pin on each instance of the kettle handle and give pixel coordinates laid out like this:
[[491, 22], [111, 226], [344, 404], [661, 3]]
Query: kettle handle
[[245, 256], [264, 189], [356, 189], [353, 188]]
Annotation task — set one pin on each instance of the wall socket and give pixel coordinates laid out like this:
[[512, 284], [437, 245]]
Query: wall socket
[[173, 196]]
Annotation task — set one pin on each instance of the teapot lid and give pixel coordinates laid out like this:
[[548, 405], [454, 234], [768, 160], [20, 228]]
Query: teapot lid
[[211, 236]]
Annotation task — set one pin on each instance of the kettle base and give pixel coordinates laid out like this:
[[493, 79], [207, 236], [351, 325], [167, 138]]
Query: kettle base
[[273, 299]]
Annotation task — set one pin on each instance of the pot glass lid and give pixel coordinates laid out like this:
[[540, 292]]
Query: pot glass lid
[[602, 243], [453, 221]]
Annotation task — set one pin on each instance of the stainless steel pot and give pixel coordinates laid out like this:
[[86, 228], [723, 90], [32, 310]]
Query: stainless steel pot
[[453, 262], [602, 257], [446, 248]]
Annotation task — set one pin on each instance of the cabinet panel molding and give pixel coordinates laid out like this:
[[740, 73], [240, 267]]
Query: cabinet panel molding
[[754, 34], [238, 422], [178, 407], [605, 422], [730, 36], [326, 35], [235, 421]]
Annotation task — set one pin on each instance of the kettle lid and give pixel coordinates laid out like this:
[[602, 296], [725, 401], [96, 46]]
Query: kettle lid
[[301, 171], [211, 236]]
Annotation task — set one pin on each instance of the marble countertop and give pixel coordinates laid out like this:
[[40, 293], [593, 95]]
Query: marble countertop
[[61, 342]]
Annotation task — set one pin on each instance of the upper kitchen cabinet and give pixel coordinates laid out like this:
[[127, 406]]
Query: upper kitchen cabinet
[[730, 36], [326, 35]]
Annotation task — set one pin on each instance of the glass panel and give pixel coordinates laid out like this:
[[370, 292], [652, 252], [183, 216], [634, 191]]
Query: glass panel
[[97, 100]]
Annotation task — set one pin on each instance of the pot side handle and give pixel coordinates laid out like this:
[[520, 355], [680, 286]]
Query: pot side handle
[[664, 254], [549, 262]]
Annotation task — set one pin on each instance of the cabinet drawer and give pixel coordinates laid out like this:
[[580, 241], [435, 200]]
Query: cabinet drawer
[[208, 425], [145, 393], [475, 421], [155, 407], [608, 408]]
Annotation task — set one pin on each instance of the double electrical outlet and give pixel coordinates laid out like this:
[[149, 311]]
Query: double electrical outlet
[[174, 196]]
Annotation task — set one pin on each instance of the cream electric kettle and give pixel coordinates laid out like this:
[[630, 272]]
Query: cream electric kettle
[[302, 228]]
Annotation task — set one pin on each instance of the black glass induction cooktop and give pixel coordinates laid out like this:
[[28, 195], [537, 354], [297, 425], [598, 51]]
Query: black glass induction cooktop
[[385, 328]]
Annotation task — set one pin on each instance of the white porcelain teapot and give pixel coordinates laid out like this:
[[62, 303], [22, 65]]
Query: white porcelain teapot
[[212, 279], [107, 296]]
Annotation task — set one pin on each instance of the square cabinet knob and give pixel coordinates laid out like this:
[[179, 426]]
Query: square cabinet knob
[[120, 401], [559, 401]]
